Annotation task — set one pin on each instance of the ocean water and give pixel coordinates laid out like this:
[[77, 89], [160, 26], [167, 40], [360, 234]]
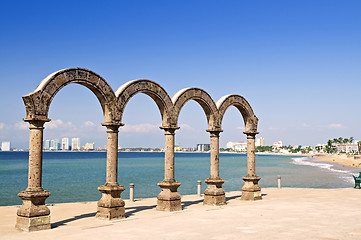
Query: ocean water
[[75, 176]]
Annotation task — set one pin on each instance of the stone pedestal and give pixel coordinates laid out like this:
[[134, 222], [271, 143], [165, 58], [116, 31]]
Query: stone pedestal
[[33, 215], [251, 190], [111, 206], [169, 199], [214, 194]]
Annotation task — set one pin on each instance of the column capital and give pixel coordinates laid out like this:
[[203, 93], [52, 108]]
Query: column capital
[[251, 134], [113, 127], [169, 130], [214, 133], [115, 123], [36, 123]]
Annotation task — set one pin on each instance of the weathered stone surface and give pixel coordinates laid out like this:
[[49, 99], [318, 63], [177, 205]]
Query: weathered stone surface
[[169, 199], [201, 97], [251, 190], [242, 105], [33, 203], [110, 213], [125, 92], [111, 205], [30, 224], [214, 194], [38, 102]]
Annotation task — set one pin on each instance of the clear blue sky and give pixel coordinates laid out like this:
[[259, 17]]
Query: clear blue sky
[[298, 63]]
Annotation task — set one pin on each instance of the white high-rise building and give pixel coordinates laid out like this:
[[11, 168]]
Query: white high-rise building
[[75, 144], [5, 146], [54, 144], [260, 142], [65, 144], [46, 145], [203, 147]]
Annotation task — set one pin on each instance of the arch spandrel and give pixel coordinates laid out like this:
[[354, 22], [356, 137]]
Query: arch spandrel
[[250, 120], [125, 92], [37, 103], [203, 98]]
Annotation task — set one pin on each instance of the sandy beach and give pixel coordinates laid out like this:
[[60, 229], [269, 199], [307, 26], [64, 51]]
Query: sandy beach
[[342, 159], [287, 213]]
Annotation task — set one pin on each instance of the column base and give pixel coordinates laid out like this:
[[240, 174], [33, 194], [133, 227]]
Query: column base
[[111, 205], [30, 224], [251, 191], [33, 214], [169, 199], [214, 194]]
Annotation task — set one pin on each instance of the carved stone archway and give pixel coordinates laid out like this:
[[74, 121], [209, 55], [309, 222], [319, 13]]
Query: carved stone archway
[[251, 189], [33, 214], [168, 199], [214, 194]]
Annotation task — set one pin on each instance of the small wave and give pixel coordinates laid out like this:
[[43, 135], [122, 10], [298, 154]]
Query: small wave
[[306, 161]]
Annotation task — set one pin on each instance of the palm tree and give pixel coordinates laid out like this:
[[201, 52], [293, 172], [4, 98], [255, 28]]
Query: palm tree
[[351, 139]]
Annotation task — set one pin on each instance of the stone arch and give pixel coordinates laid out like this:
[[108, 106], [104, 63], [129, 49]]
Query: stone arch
[[250, 120], [37, 103], [125, 92], [203, 98]]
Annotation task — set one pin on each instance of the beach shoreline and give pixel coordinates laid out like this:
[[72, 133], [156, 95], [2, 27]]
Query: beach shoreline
[[287, 213], [342, 159]]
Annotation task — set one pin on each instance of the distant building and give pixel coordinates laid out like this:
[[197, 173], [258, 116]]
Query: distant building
[[54, 145], [5, 146], [65, 144], [89, 146], [203, 147], [75, 144], [237, 146], [347, 148], [47, 145], [260, 142], [277, 145]]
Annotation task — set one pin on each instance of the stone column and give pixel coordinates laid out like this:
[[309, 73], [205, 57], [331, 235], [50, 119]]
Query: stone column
[[214, 194], [251, 190], [111, 205], [169, 199], [33, 214]]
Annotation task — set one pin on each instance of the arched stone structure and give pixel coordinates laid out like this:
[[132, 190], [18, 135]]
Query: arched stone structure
[[201, 97], [125, 92], [168, 199], [33, 214], [37, 103], [251, 189], [214, 194]]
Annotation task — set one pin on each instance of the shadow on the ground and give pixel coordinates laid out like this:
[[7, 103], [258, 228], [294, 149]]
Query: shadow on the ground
[[233, 197], [129, 211], [137, 209], [189, 203], [64, 222]]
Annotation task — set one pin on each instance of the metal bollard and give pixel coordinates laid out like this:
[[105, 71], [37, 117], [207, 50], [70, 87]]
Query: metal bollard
[[131, 192], [199, 188], [279, 181]]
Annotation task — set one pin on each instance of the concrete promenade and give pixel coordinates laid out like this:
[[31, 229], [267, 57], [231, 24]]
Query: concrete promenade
[[287, 213]]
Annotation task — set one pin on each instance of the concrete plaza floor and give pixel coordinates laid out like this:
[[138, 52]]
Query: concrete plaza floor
[[287, 213]]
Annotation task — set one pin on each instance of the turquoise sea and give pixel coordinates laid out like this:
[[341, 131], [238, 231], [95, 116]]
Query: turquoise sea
[[75, 176]]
